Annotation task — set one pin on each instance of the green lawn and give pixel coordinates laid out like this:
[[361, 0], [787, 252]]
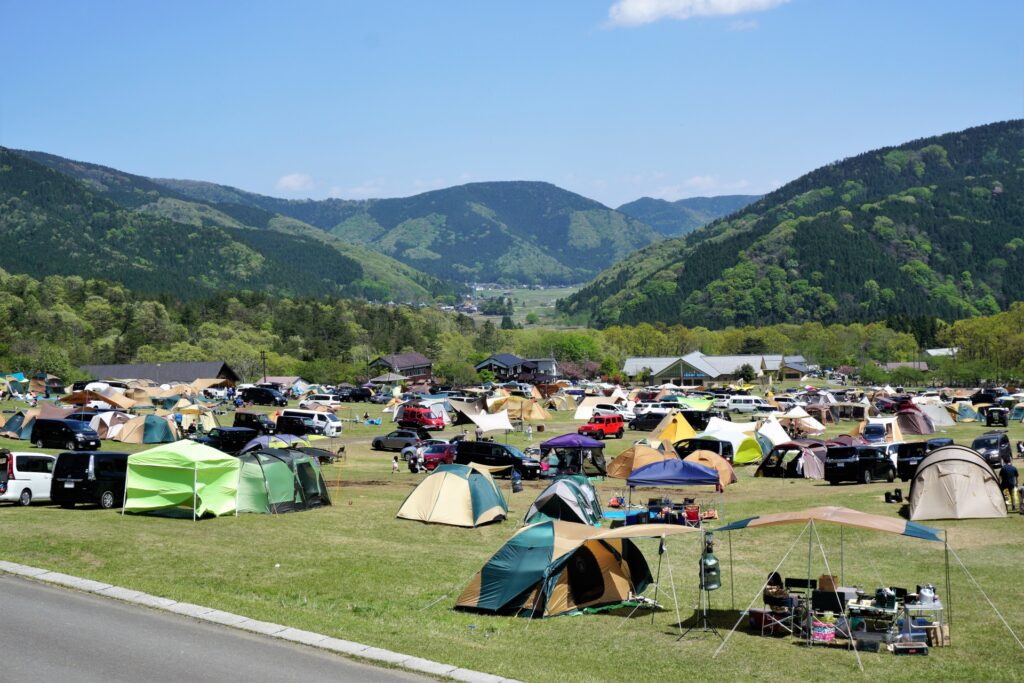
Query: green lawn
[[354, 571], [526, 301]]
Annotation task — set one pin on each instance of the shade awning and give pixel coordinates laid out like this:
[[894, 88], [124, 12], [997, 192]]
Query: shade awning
[[839, 515]]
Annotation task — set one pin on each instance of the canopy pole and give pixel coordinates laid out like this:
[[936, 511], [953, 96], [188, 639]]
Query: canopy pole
[[657, 580], [842, 563], [732, 582], [949, 588], [810, 616]]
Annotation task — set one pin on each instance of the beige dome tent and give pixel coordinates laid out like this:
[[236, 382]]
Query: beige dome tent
[[955, 482]]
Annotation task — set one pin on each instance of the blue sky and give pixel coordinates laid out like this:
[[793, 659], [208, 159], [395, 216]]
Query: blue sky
[[611, 99]]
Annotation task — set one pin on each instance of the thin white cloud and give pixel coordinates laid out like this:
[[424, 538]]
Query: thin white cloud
[[640, 12], [744, 25], [700, 185], [295, 182], [368, 189]]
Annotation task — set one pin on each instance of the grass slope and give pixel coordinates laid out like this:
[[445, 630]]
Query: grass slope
[[354, 571], [929, 228]]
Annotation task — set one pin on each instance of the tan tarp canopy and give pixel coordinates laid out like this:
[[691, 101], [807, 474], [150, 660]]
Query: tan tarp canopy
[[585, 409], [560, 402], [635, 457], [954, 482], [81, 398], [726, 474], [209, 383], [520, 408]]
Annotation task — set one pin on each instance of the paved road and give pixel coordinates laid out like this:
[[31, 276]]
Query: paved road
[[52, 634]]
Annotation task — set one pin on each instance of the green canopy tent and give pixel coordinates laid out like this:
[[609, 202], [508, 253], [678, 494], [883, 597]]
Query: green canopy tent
[[187, 475]]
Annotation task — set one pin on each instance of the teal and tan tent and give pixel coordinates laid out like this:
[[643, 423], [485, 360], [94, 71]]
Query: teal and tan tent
[[458, 495], [553, 568], [570, 498], [189, 477]]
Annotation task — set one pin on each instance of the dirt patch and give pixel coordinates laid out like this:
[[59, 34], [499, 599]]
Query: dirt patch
[[368, 482]]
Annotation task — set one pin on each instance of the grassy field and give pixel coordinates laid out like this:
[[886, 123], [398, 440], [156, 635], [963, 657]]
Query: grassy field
[[356, 572], [526, 301]]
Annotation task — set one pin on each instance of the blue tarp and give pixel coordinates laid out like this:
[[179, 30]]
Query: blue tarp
[[673, 473]]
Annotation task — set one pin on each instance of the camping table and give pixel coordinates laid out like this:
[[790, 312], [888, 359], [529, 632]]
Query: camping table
[[933, 609], [877, 619]]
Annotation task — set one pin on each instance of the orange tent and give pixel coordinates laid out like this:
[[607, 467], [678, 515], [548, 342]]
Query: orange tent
[[636, 457], [726, 474]]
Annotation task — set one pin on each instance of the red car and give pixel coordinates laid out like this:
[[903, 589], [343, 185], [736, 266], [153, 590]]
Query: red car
[[603, 426], [438, 454], [419, 417]]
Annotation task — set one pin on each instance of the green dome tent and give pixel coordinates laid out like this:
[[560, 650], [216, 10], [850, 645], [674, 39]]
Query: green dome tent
[[186, 475], [570, 498]]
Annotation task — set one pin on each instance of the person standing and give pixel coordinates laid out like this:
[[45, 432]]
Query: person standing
[[529, 432], [1008, 481]]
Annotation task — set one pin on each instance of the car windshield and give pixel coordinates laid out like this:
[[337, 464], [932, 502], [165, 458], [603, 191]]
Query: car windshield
[[331, 417], [986, 442], [275, 393], [436, 448], [77, 426], [516, 453]]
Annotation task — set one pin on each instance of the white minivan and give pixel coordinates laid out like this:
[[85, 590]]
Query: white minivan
[[748, 404], [25, 477], [329, 421]]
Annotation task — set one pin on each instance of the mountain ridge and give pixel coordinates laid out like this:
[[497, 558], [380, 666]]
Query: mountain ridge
[[927, 228], [683, 216]]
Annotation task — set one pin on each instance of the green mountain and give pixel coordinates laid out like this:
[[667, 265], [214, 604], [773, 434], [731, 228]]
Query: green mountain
[[934, 227], [257, 248], [509, 232], [683, 216]]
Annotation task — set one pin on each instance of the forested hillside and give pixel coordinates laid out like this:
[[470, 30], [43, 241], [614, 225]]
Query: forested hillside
[[215, 247], [683, 216], [508, 232], [932, 228]]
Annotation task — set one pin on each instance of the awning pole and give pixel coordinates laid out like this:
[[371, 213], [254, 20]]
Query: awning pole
[[732, 582], [810, 615], [195, 484], [949, 587], [842, 565], [657, 581]]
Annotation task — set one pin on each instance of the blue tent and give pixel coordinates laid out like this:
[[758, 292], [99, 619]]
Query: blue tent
[[673, 473]]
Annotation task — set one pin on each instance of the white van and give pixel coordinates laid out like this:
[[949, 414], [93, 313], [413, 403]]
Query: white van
[[748, 404], [25, 477], [329, 421]]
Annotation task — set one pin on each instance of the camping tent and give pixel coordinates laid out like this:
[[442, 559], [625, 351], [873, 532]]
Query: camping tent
[[560, 402], [673, 429], [938, 415], [635, 457], [745, 448], [914, 422], [801, 458], [520, 408], [673, 473], [191, 476], [102, 423], [145, 429], [458, 495], [570, 499], [585, 410], [726, 474], [577, 453], [553, 568], [954, 482]]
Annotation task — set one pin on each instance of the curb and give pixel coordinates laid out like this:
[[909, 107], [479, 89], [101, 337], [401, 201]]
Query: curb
[[278, 631]]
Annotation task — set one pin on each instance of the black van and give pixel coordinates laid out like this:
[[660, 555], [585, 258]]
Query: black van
[[96, 478], [263, 396], [496, 455], [228, 440], [687, 446], [72, 435], [858, 463], [296, 425], [261, 422]]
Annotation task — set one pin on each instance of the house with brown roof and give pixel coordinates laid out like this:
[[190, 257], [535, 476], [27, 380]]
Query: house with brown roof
[[412, 365]]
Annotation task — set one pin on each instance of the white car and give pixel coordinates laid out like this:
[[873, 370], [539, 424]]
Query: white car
[[25, 477], [614, 409], [748, 404], [329, 401]]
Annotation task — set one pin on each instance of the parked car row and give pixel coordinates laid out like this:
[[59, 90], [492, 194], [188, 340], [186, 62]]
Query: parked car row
[[66, 479]]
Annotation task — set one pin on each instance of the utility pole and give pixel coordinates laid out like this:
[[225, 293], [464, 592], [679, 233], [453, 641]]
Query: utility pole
[[263, 358]]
